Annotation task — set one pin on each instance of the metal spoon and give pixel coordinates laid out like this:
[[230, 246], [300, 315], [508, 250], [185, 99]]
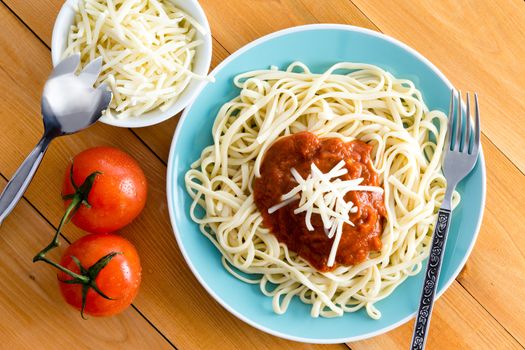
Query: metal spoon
[[69, 104]]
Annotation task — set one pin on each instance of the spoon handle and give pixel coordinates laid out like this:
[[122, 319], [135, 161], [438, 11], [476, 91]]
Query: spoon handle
[[18, 184]]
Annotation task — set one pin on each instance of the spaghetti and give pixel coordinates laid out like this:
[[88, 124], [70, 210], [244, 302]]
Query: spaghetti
[[361, 102]]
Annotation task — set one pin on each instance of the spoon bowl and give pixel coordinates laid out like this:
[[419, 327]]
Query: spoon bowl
[[70, 104]]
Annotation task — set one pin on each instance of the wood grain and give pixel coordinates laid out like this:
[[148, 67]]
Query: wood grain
[[338, 11], [483, 311], [495, 273], [170, 296], [32, 309], [479, 45], [236, 22], [458, 322]]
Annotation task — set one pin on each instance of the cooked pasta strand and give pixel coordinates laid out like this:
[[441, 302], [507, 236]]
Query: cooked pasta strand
[[361, 102]]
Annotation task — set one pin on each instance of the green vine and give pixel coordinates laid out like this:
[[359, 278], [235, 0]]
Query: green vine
[[87, 277]]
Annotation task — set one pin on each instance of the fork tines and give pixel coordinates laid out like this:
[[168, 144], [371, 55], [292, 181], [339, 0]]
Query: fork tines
[[460, 138]]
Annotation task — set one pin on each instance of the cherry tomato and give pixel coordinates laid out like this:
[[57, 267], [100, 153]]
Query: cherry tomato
[[119, 279], [118, 194]]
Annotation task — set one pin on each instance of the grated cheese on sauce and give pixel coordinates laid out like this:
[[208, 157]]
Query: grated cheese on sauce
[[323, 194], [148, 50]]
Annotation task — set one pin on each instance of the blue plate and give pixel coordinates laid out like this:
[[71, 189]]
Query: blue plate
[[319, 46]]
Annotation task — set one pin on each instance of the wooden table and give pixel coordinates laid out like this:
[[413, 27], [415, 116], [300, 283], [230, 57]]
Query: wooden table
[[479, 45]]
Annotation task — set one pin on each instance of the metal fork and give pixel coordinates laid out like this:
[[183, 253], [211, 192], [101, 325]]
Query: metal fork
[[460, 156]]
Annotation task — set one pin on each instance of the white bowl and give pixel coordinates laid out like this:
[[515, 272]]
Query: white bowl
[[201, 63]]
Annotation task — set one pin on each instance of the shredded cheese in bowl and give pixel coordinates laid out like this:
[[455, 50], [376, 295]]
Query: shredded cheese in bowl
[[148, 51]]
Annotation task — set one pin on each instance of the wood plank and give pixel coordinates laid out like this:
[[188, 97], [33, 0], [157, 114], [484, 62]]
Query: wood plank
[[38, 15], [494, 274], [338, 11], [33, 311], [235, 22], [170, 296], [478, 269], [458, 322], [272, 16], [478, 45]]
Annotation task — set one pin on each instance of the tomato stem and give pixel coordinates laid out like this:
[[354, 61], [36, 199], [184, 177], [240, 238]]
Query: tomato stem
[[73, 206], [87, 277], [75, 276]]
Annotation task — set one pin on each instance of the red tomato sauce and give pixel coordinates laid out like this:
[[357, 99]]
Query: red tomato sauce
[[299, 151]]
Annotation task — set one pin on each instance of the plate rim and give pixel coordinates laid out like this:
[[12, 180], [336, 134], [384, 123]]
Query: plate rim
[[171, 176]]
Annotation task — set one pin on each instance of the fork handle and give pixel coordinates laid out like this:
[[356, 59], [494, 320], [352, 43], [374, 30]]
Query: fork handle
[[18, 184], [426, 303]]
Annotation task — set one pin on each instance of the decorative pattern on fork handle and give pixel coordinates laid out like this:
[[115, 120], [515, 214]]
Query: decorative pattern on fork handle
[[431, 279]]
